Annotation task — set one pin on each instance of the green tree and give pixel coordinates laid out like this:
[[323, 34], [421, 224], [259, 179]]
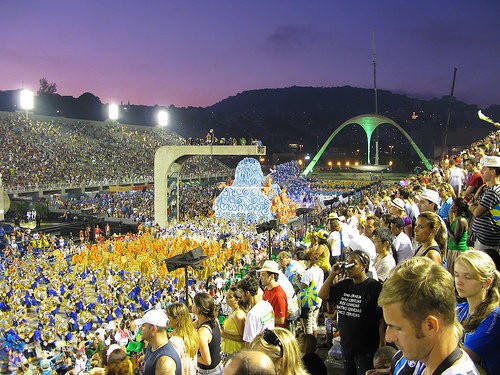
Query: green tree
[[46, 87]]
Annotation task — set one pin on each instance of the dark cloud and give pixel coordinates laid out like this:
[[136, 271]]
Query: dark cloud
[[290, 37]]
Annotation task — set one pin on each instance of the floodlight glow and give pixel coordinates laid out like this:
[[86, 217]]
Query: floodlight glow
[[162, 118], [113, 112], [26, 99]]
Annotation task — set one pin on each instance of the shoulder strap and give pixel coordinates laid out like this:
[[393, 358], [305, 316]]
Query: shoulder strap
[[454, 356]]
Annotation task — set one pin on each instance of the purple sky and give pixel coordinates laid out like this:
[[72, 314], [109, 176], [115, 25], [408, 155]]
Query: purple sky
[[200, 52]]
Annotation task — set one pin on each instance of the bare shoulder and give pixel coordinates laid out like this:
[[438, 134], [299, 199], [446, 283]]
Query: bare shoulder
[[165, 366]]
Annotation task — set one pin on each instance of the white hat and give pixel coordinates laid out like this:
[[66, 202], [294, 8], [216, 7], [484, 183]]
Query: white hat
[[270, 266], [154, 317], [430, 195], [333, 216], [490, 161], [398, 203]]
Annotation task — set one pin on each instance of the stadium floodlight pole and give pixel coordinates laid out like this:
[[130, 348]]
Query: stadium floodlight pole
[[113, 112], [162, 117], [26, 100]]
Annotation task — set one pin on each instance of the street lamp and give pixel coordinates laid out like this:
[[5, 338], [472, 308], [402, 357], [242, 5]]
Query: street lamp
[[113, 112], [162, 118], [390, 151], [26, 100]]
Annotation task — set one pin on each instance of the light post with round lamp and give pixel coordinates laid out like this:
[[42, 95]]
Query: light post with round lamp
[[113, 112], [162, 118], [26, 100]]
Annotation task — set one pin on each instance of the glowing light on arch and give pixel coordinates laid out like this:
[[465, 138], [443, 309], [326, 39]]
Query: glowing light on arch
[[369, 123]]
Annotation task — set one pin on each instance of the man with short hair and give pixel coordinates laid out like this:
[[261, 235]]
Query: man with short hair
[[418, 302], [290, 266], [371, 223], [160, 356], [261, 314], [484, 225], [474, 181], [273, 292], [402, 243], [249, 362]]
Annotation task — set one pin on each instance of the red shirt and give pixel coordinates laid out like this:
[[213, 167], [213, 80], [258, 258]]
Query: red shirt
[[277, 298]]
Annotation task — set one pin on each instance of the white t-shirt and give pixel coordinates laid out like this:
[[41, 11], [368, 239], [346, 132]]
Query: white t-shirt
[[334, 241], [260, 317], [403, 246], [384, 266], [314, 273]]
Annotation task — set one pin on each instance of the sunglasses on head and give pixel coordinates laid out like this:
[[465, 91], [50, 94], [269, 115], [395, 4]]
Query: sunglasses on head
[[271, 338]]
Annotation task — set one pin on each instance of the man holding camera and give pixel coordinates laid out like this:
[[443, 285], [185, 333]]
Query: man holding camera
[[360, 320]]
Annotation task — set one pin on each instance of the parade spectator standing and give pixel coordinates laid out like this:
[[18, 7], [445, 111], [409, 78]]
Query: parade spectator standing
[[160, 356], [447, 195], [319, 249], [249, 361], [281, 346], [418, 302], [209, 336], [260, 315], [429, 233], [459, 217], [397, 209], [117, 363], [308, 344], [291, 267], [345, 233], [484, 227], [371, 223], [310, 283], [475, 180], [477, 280], [234, 325], [335, 241], [183, 337], [402, 243], [359, 317], [455, 176], [384, 263], [428, 201], [273, 292]]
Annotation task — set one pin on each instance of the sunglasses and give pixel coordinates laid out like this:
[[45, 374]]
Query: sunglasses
[[271, 338]]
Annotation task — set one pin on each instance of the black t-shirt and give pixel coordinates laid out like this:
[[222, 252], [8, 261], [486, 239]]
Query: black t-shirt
[[358, 314]]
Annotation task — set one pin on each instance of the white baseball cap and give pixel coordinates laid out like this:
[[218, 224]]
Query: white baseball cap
[[154, 317]]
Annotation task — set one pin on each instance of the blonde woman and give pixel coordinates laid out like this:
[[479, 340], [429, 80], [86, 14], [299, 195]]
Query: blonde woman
[[232, 329], [447, 194], [282, 347], [184, 337], [477, 280]]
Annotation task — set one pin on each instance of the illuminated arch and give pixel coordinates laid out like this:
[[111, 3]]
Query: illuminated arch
[[369, 123]]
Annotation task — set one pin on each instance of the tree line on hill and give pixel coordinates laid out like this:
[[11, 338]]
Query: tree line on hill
[[294, 115]]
